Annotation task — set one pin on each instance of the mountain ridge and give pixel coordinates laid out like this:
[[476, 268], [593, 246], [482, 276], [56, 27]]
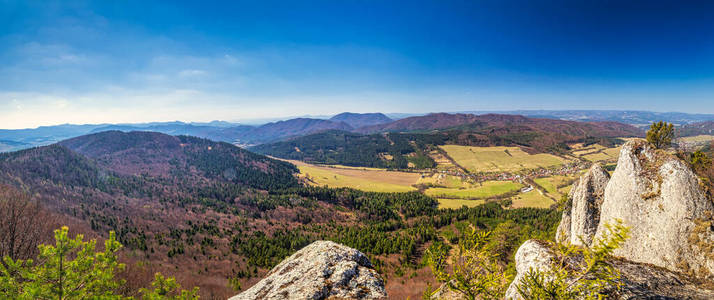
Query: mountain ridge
[[290, 128], [357, 120], [250, 135]]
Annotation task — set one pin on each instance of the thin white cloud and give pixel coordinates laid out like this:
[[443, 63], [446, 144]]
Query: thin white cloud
[[191, 73]]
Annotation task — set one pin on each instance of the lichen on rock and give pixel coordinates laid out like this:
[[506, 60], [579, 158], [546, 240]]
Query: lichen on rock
[[321, 270], [637, 280], [660, 199]]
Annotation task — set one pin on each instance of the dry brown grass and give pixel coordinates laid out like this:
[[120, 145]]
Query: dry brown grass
[[359, 178]]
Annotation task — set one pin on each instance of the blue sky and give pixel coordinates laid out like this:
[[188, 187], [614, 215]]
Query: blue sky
[[135, 61]]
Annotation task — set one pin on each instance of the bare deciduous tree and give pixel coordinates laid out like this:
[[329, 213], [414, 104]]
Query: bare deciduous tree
[[23, 224]]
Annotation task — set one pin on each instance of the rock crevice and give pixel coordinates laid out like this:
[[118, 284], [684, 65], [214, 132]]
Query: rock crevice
[[582, 215]]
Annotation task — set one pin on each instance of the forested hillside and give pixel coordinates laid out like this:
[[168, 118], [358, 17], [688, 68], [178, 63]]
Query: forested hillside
[[160, 155], [392, 150]]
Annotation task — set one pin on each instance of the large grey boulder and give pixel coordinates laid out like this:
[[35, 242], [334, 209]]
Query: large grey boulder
[[580, 219], [321, 270], [670, 217]]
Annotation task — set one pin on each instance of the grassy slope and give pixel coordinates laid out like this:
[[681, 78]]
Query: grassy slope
[[551, 185], [598, 153]]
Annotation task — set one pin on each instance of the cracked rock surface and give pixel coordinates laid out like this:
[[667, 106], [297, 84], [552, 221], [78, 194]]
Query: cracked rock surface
[[582, 215]]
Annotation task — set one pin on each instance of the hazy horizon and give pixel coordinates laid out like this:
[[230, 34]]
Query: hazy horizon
[[394, 115]]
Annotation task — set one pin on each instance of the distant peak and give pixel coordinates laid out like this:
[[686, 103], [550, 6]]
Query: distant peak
[[357, 120]]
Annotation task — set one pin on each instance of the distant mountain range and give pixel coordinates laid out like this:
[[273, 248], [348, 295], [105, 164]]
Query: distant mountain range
[[632, 117], [17, 139], [244, 135], [217, 133], [502, 121], [405, 143], [291, 128]]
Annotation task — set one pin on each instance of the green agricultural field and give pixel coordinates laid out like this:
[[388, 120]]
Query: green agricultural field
[[532, 199], [550, 184], [606, 154], [499, 159], [445, 180], [487, 190], [454, 194], [597, 152], [579, 150]]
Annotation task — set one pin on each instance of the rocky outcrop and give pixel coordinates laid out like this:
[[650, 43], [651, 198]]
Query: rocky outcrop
[[670, 251], [639, 281], [660, 199], [580, 218], [562, 233], [322, 270]]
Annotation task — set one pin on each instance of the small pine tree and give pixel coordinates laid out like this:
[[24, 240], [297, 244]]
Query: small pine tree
[[588, 279], [660, 134], [476, 273], [167, 289], [235, 284], [71, 269], [700, 160]]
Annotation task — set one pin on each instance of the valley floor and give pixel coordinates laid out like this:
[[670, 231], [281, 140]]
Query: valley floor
[[470, 176]]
